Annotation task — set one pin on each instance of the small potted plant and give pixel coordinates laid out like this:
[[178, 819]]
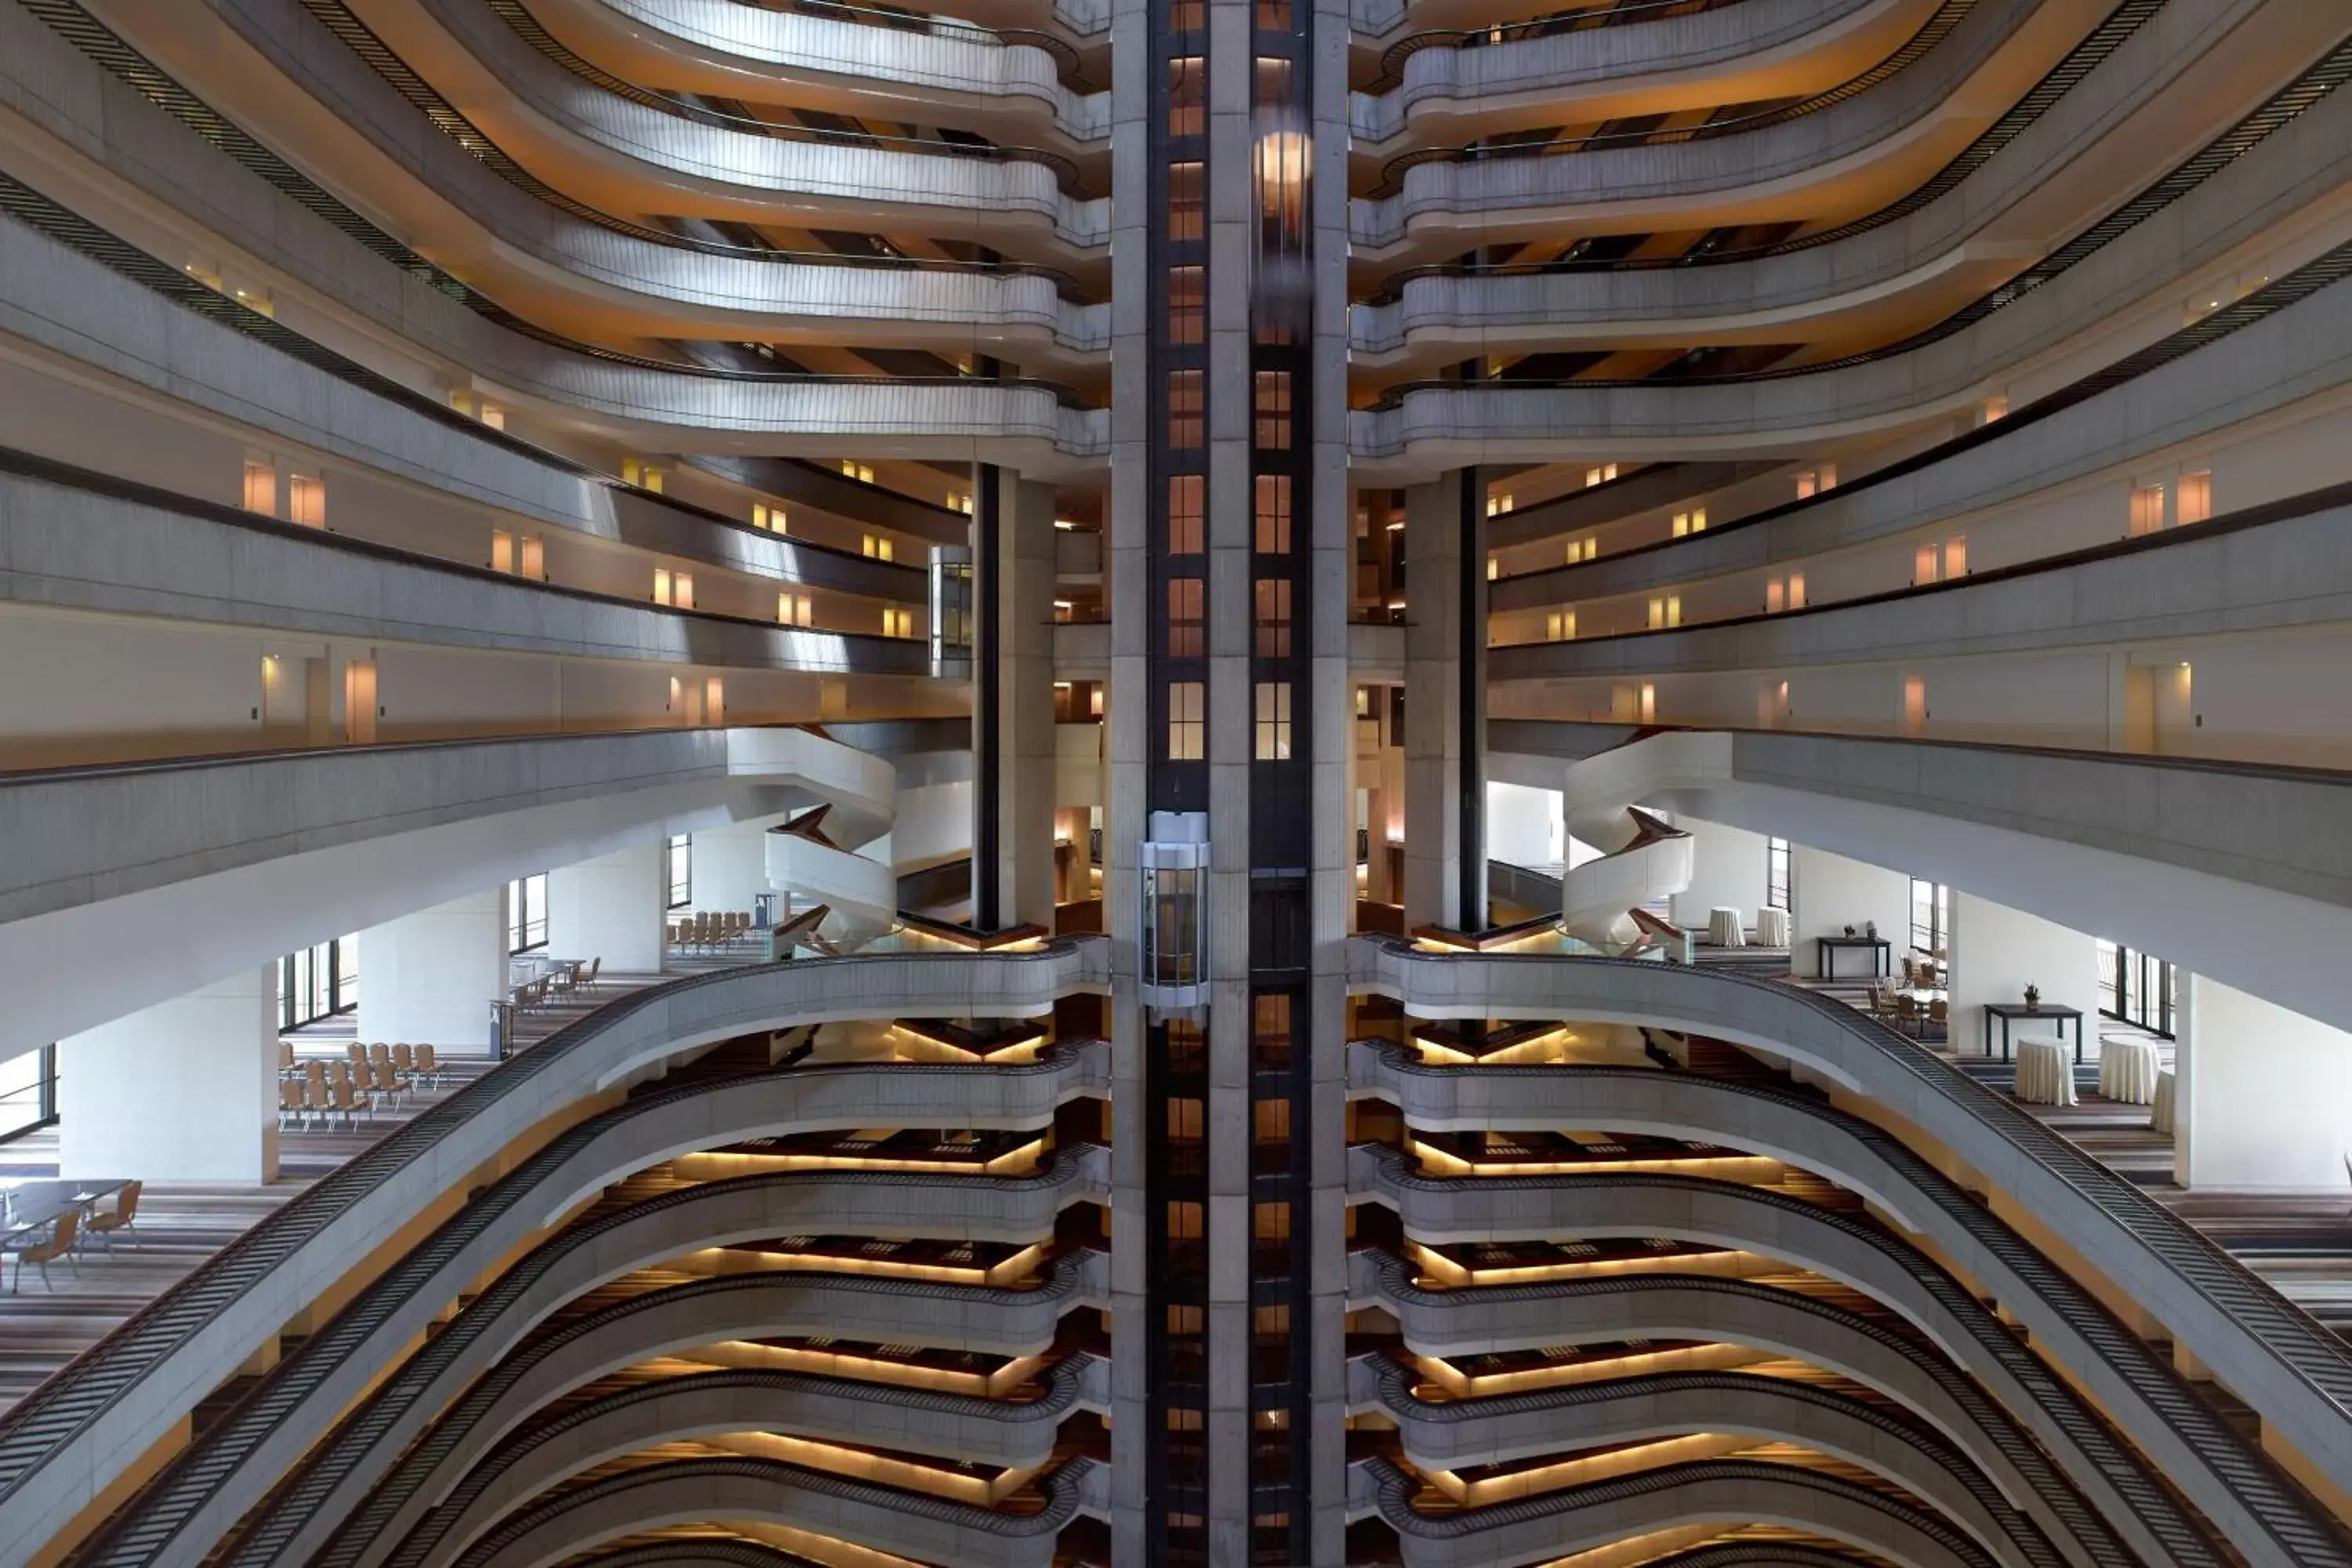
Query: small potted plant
[[1849, 931], [2034, 998]]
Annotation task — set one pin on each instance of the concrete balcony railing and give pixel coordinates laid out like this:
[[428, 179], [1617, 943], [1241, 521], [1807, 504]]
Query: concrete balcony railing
[[1901, 120], [324, 1472], [907, 1524], [2297, 315], [280, 1444], [1890, 1271], [550, 120], [474, 1491], [2147, 95], [1979, 1424], [1460, 1434], [1740, 53], [1719, 1491], [87, 1428], [2143, 1259], [963, 75]]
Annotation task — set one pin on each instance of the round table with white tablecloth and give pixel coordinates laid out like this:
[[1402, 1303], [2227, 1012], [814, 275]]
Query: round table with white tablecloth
[[2044, 1076], [1771, 927], [1723, 928], [2159, 1107], [2127, 1069]]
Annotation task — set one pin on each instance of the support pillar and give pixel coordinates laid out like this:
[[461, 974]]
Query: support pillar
[[429, 978], [1828, 892], [730, 864], [613, 908], [2258, 1095], [185, 1090], [1013, 739], [1445, 704]]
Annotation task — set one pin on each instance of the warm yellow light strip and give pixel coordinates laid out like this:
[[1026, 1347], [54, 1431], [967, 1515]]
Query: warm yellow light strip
[[1755, 1168], [866, 1369], [1689, 1358], [1540, 1478], [825, 1548], [1018, 1161], [882, 1469], [1439, 1269], [1636, 1549], [732, 1261]]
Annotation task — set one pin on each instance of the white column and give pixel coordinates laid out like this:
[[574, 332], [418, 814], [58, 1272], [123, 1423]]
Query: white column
[[1728, 870], [612, 908], [1828, 892], [2258, 1095], [731, 865], [429, 978], [1997, 951], [185, 1090]]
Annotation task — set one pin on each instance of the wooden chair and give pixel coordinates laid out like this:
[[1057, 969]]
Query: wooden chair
[[63, 1232], [404, 1057], [379, 1054], [349, 1101], [595, 967], [285, 1058], [290, 1106], [314, 1087], [426, 1068], [120, 1218], [1939, 1013]]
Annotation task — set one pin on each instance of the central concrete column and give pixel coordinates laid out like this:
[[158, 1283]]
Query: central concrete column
[[1997, 951], [185, 1090], [429, 978], [2258, 1094], [613, 908], [1012, 707], [1445, 704]]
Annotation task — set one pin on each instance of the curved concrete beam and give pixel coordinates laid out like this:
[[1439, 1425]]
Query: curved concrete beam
[[74, 1436], [1458, 1433]]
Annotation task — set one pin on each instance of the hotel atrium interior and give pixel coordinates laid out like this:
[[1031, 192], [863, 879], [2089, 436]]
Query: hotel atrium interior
[[1176, 784]]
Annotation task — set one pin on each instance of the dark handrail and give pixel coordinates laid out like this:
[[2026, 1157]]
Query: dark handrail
[[1395, 1506], [1937, 27], [526, 27], [2104, 40], [36, 1429], [2296, 1341], [1392, 58]]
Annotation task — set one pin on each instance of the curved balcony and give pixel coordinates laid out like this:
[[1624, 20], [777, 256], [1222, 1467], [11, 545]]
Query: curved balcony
[[2200, 1453], [1458, 1433], [727, 1552], [625, 155], [1442, 84], [2277, 1359], [1751, 416], [1719, 1491], [997, 1432], [213, 1483], [907, 1524], [1846, 151], [1778, 1323], [81, 1431], [1006, 86], [588, 272], [2004, 220], [421, 1510]]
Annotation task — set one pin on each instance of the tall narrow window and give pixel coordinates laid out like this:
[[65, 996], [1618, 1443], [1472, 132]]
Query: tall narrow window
[[1271, 722], [306, 500], [1187, 502], [1187, 202], [2195, 502], [1776, 873], [1187, 725], [1271, 406], [1185, 599], [1273, 509], [1187, 298], [2146, 509], [1188, 96], [680, 856], [260, 487], [1186, 424], [527, 912], [1273, 617]]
